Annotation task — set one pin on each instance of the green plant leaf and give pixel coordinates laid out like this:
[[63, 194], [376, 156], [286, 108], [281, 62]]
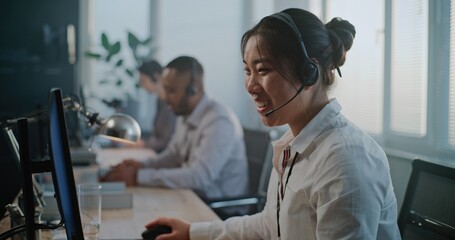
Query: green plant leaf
[[119, 63], [115, 48], [133, 41], [96, 56], [105, 41], [129, 72]]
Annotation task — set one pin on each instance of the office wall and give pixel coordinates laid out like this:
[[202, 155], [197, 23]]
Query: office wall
[[115, 18], [400, 171], [211, 32], [401, 167]]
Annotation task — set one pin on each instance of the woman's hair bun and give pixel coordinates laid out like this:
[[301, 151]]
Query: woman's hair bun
[[342, 34]]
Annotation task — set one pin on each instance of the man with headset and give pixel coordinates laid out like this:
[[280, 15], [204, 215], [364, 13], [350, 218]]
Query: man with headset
[[207, 151]]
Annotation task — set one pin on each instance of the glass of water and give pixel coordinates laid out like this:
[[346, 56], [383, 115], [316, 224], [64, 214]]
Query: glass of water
[[89, 196]]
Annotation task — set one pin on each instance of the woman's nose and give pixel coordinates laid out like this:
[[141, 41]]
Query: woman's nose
[[251, 84]]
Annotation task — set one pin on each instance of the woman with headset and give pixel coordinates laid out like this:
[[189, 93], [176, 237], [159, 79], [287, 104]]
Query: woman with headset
[[330, 179]]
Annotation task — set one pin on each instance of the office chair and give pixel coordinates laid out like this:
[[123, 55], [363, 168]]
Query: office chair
[[428, 210], [259, 155]]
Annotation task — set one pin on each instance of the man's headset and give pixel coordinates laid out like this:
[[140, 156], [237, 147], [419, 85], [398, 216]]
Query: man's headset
[[191, 89], [308, 73]]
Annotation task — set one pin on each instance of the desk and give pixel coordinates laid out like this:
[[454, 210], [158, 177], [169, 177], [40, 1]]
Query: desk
[[112, 156], [107, 157], [150, 203]]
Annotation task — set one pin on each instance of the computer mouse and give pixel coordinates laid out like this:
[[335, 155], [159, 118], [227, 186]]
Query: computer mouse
[[155, 231]]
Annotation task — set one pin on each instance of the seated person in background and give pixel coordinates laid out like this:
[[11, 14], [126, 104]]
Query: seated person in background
[[164, 121], [330, 179], [206, 153]]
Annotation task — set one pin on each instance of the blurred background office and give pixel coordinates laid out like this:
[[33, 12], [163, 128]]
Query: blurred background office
[[399, 83]]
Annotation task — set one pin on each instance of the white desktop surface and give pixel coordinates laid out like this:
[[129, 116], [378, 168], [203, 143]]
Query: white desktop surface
[[111, 156], [108, 157], [148, 204]]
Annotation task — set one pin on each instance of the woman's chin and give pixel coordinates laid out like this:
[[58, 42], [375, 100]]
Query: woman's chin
[[269, 121]]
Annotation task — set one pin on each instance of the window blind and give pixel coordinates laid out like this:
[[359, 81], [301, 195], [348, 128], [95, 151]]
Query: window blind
[[360, 90], [451, 121], [409, 67]]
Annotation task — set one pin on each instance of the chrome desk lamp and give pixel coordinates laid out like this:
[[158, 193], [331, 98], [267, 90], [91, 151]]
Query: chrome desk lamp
[[118, 127]]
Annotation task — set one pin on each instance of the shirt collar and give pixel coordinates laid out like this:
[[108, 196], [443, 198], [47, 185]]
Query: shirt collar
[[196, 115], [313, 129]]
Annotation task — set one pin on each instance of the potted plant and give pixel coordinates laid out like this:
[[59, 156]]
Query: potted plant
[[117, 71]]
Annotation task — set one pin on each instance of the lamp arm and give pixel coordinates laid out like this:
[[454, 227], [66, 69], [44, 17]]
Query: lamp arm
[[92, 118], [72, 103]]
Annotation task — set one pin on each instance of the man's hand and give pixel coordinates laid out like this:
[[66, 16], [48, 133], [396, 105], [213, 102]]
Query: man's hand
[[126, 172]]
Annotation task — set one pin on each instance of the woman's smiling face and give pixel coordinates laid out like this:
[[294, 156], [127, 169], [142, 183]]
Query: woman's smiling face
[[270, 88]]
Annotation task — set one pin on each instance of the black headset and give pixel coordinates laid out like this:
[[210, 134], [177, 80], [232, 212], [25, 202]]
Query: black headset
[[309, 72], [191, 89]]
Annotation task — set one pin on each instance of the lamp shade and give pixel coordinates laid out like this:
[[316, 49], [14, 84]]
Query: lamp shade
[[120, 127]]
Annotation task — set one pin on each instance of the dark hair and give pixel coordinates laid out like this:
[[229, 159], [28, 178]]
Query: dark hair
[[186, 64], [149, 68], [327, 44]]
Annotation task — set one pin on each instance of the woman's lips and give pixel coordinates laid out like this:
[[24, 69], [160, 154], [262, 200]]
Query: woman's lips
[[261, 105]]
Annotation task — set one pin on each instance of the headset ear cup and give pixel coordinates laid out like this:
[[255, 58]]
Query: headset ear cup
[[310, 73], [191, 90]]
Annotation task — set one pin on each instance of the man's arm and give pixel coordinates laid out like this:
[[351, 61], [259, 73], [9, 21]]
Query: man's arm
[[208, 157]]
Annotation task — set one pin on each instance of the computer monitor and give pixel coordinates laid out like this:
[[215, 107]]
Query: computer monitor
[[62, 172], [60, 167], [428, 210]]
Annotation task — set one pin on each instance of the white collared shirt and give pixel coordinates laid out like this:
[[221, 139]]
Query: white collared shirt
[[339, 188], [206, 154]]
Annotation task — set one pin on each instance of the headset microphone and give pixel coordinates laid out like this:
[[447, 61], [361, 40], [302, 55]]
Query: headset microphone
[[288, 101]]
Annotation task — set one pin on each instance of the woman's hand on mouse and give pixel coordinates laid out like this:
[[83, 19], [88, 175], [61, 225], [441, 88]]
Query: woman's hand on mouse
[[180, 228]]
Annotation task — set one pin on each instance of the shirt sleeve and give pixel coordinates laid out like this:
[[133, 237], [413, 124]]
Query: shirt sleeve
[[169, 158], [245, 227], [349, 192], [208, 157]]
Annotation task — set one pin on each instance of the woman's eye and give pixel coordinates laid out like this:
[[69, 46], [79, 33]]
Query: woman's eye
[[263, 71], [247, 72]]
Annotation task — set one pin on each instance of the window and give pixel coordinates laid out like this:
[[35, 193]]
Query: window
[[116, 18], [409, 64], [399, 78], [451, 134], [363, 70]]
